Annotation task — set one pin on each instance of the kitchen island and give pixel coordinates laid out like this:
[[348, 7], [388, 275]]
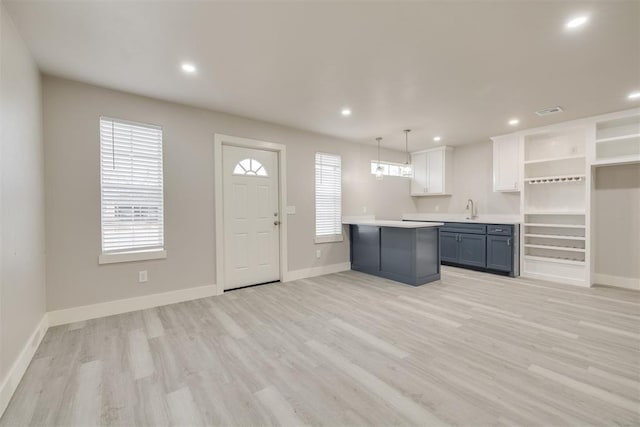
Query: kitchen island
[[404, 251]]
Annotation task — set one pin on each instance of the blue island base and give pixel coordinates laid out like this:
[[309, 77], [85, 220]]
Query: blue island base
[[406, 255]]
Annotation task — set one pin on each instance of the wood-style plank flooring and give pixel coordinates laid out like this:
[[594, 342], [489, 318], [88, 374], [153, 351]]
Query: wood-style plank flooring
[[349, 349]]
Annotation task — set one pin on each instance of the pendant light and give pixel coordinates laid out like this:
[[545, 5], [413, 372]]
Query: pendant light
[[406, 170], [379, 169]]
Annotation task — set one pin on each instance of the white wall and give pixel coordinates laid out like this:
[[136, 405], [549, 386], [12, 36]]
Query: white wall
[[71, 113], [472, 179], [617, 221], [22, 236]]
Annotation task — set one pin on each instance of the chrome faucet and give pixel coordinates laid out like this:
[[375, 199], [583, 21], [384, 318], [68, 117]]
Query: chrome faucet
[[471, 208]]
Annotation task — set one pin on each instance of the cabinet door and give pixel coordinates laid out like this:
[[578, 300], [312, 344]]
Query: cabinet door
[[506, 163], [419, 180], [499, 253], [473, 250], [435, 171], [448, 246]]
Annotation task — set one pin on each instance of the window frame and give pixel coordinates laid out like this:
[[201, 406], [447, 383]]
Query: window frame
[[131, 254], [327, 238]]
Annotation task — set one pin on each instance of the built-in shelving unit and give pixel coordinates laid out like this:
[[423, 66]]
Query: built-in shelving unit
[[554, 243], [617, 140]]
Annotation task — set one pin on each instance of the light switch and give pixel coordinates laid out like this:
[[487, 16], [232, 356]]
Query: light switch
[[291, 210]]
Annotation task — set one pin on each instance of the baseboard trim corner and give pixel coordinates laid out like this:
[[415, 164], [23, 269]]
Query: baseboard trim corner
[[10, 383], [305, 273], [617, 281], [110, 308]]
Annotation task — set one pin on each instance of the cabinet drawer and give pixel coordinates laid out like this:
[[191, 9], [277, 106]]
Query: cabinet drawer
[[500, 230], [461, 227]]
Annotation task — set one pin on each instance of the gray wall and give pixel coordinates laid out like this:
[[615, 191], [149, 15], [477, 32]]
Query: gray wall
[[22, 237], [472, 178], [616, 225], [71, 112]]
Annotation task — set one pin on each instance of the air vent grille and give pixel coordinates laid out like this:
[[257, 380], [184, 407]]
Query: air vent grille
[[551, 110]]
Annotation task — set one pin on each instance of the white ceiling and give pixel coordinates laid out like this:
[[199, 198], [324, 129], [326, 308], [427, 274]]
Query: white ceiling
[[456, 69]]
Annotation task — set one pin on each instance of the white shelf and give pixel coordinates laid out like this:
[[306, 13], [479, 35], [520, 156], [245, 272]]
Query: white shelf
[[553, 159], [535, 224], [557, 179], [555, 236], [618, 138], [554, 247], [555, 213], [617, 160], [554, 259]]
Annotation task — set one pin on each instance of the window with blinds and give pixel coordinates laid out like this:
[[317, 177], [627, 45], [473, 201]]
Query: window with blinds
[[328, 198], [131, 186]]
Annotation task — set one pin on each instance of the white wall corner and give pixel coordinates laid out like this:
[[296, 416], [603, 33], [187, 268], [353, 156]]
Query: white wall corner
[[305, 273], [109, 308], [10, 383]]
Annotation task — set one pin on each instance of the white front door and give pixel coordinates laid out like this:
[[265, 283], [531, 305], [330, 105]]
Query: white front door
[[251, 217]]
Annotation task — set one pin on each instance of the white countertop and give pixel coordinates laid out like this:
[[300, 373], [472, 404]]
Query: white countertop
[[480, 219], [394, 224]]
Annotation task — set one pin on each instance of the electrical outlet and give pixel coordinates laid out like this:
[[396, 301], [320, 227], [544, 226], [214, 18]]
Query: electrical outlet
[[437, 208], [318, 253], [142, 276], [364, 209]]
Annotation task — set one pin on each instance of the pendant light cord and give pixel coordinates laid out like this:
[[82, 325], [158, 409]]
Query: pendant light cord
[[406, 143]]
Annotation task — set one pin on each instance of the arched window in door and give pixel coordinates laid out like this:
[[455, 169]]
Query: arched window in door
[[250, 167]]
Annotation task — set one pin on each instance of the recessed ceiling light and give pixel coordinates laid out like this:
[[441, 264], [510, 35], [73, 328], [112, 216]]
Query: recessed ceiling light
[[436, 138], [346, 112], [634, 95], [188, 68], [577, 21], [514, 122]]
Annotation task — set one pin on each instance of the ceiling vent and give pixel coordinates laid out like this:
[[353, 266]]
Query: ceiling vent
[[549, 111]]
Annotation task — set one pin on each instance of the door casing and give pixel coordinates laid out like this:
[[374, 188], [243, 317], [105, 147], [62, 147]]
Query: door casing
[[280, 149]]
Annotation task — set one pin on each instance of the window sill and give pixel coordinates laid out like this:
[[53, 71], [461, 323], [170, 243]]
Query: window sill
[[329, 239], [131, 256]]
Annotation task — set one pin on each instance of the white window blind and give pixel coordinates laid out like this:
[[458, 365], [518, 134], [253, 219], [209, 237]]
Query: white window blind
[[328, 198], [131, 186]]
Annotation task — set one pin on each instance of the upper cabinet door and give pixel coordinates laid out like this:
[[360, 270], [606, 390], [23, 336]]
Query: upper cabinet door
[[435, 171], [506, 163], [419, 179]]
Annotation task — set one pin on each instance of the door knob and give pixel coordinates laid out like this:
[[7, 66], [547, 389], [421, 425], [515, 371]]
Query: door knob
[[276, 222]]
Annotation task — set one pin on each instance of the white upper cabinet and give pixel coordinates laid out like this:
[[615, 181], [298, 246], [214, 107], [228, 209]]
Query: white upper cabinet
[[432, 172], [506, 163]]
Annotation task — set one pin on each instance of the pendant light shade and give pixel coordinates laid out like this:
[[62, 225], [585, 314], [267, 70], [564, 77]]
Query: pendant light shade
[[379, 169], [406, 170]]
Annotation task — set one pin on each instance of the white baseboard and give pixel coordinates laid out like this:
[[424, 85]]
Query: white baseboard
[[618, 281], [316, 271], [555, 279], [109, 308], [10, 383]]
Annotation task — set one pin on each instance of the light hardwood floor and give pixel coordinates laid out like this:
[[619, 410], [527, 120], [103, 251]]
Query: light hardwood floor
[[349, 349]]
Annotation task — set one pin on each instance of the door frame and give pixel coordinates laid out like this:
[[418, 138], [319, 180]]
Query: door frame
[[281, 150]]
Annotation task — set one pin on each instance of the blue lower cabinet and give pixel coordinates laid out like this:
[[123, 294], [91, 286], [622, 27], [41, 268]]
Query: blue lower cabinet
[[500, 253], [448, 246], [473, 250], [486, 247]]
